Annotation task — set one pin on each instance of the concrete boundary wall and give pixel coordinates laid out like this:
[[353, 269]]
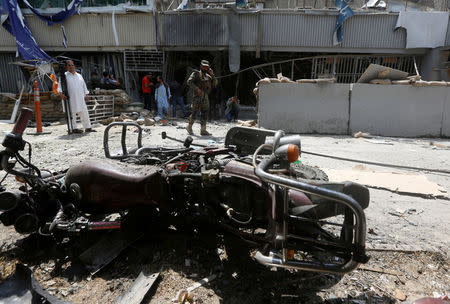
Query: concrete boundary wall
[[386, 110], [446, 116], [397, 110], [304, 108]]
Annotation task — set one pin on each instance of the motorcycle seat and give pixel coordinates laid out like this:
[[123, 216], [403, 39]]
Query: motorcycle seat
[[108, 188]]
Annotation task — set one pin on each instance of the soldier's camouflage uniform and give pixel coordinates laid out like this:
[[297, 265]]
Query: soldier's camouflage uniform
[[200, 80]]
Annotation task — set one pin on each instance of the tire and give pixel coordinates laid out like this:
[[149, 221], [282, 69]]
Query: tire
[[306, 172]]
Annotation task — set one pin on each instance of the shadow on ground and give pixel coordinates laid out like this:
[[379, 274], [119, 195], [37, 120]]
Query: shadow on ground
[[239, 278]]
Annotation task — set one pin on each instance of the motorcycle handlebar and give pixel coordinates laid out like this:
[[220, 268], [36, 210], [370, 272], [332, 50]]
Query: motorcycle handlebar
[[22, 121]]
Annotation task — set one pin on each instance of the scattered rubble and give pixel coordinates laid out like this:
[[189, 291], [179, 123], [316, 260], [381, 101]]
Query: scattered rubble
[[247, 123], [120, 96], [186, 296], [136, 293], [411, 183], [413, 271]]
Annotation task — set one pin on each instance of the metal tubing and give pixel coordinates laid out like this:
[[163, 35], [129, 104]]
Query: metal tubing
[[276, 139], [348, 201], [322, 192], [308, 266], [123, 142]]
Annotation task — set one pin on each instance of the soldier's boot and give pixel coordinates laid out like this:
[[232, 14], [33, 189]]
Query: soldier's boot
[[203, 131], [189, 129]]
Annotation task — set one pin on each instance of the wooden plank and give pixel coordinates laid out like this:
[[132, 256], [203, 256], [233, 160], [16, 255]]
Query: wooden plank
[[380, 270], [137, 291]]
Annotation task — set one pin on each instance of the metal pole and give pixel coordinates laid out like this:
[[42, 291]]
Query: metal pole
[[37, 108], [285, 224], [127, 85], [292, 70], [258, 37]]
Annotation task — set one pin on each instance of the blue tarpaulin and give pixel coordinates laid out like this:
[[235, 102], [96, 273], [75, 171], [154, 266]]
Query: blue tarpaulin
[[2, 11], [16, 25], [59, 17], [241, 3], [345, 12]]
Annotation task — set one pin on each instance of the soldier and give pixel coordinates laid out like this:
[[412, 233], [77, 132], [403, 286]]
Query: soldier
[[200, 83]]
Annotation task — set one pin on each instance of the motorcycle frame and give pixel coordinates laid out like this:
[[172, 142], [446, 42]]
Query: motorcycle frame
[[281, 234], [286, 183]]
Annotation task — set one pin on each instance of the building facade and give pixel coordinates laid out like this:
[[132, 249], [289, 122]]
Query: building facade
[[130, 40]]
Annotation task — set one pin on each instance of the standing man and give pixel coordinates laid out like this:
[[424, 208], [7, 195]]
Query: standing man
[[78, 95], [177, 98], [162, 96], [232, 110], [200, 83], [146, 91]]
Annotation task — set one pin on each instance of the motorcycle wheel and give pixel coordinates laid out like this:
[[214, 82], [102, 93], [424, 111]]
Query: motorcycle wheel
[[309, 172]]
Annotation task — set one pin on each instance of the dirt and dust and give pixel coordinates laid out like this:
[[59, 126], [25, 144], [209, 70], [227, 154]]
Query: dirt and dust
[[407, 235]]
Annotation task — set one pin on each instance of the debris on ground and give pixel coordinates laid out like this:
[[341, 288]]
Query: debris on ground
[[120, 96], [438, 145], [362, 134], [136, 293], [186, 296], [106, 250], [22, 287], [411, 183], [424, 272], [399, 295], [246, 123]]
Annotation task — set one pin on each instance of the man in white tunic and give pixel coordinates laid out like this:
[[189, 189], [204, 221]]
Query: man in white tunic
[[78, 95]]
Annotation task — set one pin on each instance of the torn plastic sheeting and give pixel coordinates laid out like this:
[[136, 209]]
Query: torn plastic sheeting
[[116, 37], [60, 16], [183, 5], [345, 12], [380, 4], [119, 9], [234, 42], [23, 288], [16, 25]]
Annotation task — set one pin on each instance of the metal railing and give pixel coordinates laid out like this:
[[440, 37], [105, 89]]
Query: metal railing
[[100, 107], [348, 68]]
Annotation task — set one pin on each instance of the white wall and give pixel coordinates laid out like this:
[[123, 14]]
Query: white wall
[[397, 110], [387, 110], [304, 108], [446, 117]]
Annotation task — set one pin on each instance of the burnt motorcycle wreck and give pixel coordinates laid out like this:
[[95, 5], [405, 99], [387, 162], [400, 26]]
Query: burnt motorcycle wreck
[[252, 187]]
